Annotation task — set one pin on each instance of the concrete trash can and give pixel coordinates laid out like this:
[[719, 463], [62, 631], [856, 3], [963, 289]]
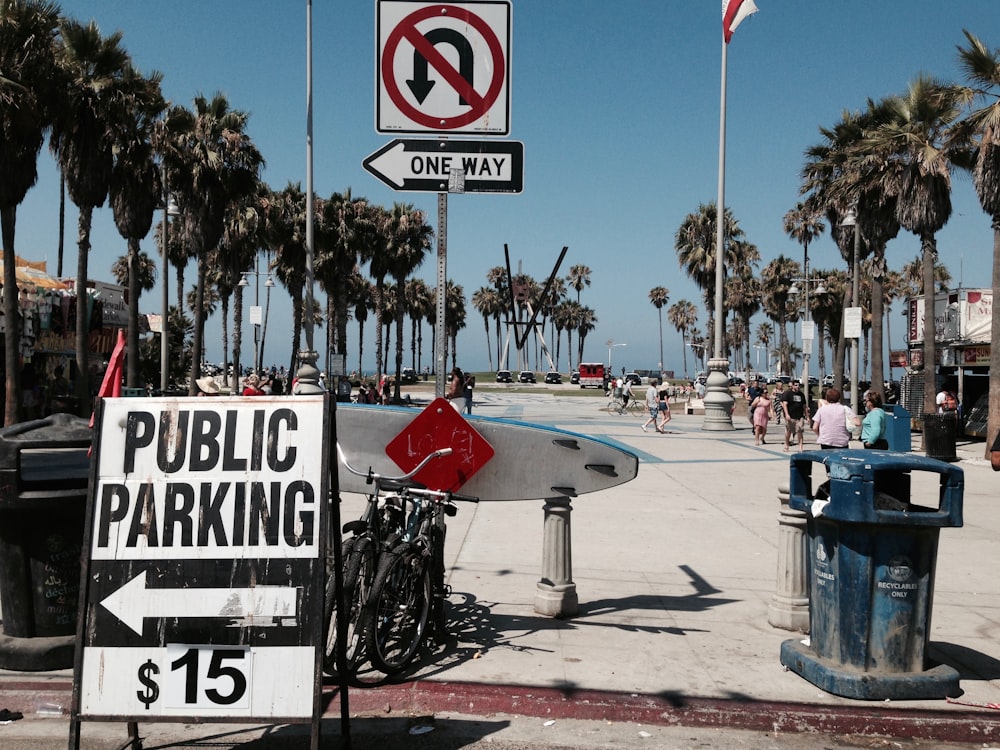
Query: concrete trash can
[[940, 435], [44, 470], [897, 428], [872, 556]]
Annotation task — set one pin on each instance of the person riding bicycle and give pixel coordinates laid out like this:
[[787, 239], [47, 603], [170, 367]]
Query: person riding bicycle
[[626, 392]]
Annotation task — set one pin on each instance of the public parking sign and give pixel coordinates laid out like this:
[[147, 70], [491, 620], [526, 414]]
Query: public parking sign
[[443, 67], [205, 575]]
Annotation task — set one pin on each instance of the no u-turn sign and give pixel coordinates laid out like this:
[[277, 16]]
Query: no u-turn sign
[[443, 67]]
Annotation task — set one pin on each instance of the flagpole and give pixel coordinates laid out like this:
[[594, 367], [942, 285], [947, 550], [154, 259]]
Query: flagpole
[[718, 398]]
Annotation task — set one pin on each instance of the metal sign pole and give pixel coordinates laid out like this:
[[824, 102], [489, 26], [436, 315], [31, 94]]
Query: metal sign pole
[[441, 363]]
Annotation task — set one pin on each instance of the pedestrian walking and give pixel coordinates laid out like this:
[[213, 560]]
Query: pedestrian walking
[[664, 407], [793, 404], [652, 406], [830, 423], [761, 408], [777, 398], [467, 386]]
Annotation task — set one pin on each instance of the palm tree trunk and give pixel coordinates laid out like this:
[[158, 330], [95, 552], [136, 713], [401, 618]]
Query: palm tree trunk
[[684, 351], [199, 327], [132, 355], [877, 355], [993, 418], [12, 376], [379, 289], [83, 385], [929, 247]]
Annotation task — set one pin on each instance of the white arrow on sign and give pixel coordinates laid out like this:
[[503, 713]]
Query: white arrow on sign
[[424, 165], [133, 602]]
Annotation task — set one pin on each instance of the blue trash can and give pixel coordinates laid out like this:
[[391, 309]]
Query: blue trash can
[[897, 428], [871, 556]]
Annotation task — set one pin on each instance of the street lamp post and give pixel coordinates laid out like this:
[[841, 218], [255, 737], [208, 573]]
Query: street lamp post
[[255, 311], [612, 345], [808, 329], [851, 220], [169, 209]]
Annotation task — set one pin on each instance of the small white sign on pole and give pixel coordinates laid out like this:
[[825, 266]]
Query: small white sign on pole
[[852, 322]]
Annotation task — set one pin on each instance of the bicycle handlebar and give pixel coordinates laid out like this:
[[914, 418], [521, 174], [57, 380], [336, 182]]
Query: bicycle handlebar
[[371, 476]]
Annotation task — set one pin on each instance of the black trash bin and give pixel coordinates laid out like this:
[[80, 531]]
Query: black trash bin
[[44, 469], [872, 557], [940, 435]]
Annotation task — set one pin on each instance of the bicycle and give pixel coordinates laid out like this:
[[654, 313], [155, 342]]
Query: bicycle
[[379, 529], [632, 406], [409, 588]]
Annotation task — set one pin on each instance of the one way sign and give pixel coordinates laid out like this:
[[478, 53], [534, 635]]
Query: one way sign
[[427, 166]]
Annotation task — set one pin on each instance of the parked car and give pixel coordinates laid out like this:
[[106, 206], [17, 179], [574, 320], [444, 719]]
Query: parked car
[[408, 376], [634, 378], [575, 377], [504, 376], [526, 376], [553, 378]]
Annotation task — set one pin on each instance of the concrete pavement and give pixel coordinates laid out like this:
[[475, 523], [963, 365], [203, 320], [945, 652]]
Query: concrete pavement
[[674, 573]]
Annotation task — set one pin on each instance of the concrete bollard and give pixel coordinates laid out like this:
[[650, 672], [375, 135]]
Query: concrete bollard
[[789, 608], [555, 595]]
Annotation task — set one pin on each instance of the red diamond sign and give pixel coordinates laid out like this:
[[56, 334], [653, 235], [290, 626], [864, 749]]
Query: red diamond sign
[[440, 426]]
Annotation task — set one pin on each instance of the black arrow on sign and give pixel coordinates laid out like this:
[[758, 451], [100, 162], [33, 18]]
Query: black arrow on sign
[[421, 85]]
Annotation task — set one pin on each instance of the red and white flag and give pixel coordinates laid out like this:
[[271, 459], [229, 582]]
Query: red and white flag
[[733, 13]]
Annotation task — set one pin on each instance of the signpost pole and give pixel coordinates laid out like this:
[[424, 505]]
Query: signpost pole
[[441, 362]]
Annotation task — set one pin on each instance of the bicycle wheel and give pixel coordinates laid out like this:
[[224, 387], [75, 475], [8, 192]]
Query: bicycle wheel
[[398, 609], [359, 574], [440, 588]]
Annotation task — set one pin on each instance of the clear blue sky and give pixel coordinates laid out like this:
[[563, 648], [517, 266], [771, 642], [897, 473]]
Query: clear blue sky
[[617, 105]]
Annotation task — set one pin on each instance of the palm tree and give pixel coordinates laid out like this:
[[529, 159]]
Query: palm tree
[[764, 336], [409, 239], [743, 294], [803, 225], [211, 163], [27, 96], [82, 138], [659, 296], [587, 322], [682, 316], [694, 243], [486, 301], [982, 70], [912, 277], [454, 317], [135, 189], [286, 237], [776, 279], [418, 306], [340, 233], [917, 153], [579, 277]]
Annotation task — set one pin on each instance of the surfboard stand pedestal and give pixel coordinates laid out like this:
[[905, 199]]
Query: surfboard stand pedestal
[[555, 595], [789, 607]]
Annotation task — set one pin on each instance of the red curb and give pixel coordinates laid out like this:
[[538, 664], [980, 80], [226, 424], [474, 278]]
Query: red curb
[[421, 698], [424, 698]]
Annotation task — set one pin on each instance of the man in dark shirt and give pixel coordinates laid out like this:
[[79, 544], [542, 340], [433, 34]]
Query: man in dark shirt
[[796, 412]]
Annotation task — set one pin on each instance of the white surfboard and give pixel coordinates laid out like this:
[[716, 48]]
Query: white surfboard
[[530, 461]]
